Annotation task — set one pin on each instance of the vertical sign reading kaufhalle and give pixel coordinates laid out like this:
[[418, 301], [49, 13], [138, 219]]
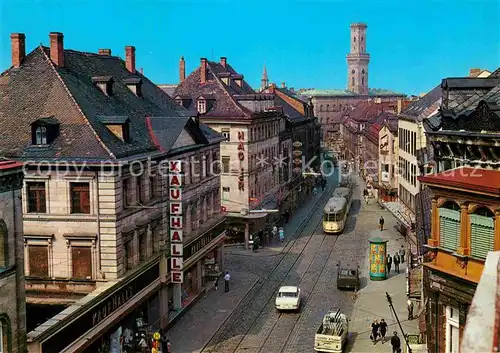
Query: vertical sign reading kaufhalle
[[176, 220]]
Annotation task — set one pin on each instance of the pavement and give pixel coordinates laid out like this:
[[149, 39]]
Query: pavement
[[194, 330], [371, 302]]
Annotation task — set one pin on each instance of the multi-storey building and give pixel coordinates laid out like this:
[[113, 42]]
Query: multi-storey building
[[250, 155], [465, 227], [98, 138], [388, 157], [12, 297], [331, 105]]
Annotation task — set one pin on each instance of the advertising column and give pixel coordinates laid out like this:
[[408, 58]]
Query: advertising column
[[176, 224]]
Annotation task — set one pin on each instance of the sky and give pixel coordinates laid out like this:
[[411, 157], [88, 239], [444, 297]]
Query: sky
[[412, 44]]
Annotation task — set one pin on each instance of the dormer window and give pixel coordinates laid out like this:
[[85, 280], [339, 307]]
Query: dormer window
[[226, 78], [135, 85], [183, 101], [238, 79], [44, 131], [117, 125], [202, 106], [104, 83]]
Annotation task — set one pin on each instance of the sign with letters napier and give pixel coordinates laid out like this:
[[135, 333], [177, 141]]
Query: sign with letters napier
[[176, 220]]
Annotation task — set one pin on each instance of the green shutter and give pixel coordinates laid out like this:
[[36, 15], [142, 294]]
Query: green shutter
[[449, 229], [482, 235]]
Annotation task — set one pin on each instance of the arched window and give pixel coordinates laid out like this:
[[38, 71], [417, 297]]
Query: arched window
[[363, 80], [449, 226], [354, 39], [363, 71], [41, 135], [353, 71], [482, 236], [5, 334], [328, 107], [353, 81], [321, 107], [4, 254]]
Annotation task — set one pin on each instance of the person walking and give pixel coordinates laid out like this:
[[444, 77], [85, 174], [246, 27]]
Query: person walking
[[396, 343], [365, 195], [375, 327], [402, 254], [396, 263], [389, 263], [381, 222], [282, 234], [275, 231], [409, 304], [227, 278], [216, 284], [383, 330]]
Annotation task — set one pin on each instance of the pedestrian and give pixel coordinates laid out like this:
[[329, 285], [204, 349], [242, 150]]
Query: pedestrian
[[383, 329], [375, 327], [275, 231], [282, 234], [396, 263], [365, 195], [216, 284], [409, 304], [396, 343], [389, 263], [227, 278], [169, 347], [163, 341], [381, 222], [143, 344], [402, 254]]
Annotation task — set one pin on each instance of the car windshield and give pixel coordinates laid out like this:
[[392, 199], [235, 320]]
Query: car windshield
[[288, 294], [347, 272]]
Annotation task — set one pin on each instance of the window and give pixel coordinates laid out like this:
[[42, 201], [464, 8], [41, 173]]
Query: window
[[225, 193], [452, 330], [449, 226], [81, 262], [202, 106], [126, 192], [36, 197], [38, 260], [5, 334], [156, 232], [4, 253], [353, 81], [482, 232], [153, 188], [363, 80], [80, 197], [226, 160], [41, 135], [226, 134], [138, 190], [129, 251], [143, 246]]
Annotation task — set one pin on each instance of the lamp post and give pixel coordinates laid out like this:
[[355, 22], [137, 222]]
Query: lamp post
[[389, 300]]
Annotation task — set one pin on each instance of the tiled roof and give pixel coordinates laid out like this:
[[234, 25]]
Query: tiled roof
[[374, 92], [165, 131], [6, 164], [39, 89], [425, 106], [368, 110], [225, 105], [168, 88], [486, 180]]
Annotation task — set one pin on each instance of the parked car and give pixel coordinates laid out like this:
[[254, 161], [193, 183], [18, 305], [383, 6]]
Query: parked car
[[347, 277], [288, 298]]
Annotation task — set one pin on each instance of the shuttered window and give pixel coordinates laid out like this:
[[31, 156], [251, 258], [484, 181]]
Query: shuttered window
[[38, 260], [449, 229], [482, 235], [82, 262]]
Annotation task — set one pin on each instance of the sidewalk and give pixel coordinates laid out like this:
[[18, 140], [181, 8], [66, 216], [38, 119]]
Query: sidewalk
[[371, 302], [194, 330]]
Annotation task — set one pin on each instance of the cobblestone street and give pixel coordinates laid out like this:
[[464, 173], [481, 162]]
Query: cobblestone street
[[245, 320]]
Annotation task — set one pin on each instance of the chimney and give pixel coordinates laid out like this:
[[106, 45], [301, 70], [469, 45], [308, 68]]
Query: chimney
[[130, 58], [18, 48], [272, 87], [203, 70], [283, 84], [474, 72], [182, 70], [105, 52], [57, 48], [223, 61]]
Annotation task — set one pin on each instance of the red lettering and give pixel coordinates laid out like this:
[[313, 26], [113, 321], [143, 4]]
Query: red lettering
[[176, 277], [175, 194], [175, 222], [176, 263], [175, 180], [175, 166], [176, 250], [241, 147], [241, 135], [176, 236], [175, 208]]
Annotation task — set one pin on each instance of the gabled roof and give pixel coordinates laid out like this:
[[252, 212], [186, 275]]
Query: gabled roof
[[425, 106], [372, 92], [165, 131], [39, 89], [225, 105], [367, 111]]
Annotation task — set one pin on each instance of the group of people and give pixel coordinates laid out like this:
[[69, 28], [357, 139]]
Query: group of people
[[141, 343], [398, 258], [380, 329], [227, 278]]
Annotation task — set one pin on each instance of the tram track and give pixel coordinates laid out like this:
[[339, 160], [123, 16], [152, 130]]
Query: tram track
[[230, 336]]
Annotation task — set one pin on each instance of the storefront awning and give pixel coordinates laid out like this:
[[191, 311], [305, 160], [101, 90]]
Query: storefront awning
[[247, 216]]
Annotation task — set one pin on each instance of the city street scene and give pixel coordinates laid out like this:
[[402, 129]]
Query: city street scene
[[187, 177]]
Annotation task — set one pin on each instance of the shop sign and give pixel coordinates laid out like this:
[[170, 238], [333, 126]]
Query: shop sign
[[297, 161], [176, 221], [112, 304], [241, 157], [297, 153], [297, 144]]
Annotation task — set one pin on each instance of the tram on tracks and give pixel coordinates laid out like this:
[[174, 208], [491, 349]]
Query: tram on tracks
[[337, 210]]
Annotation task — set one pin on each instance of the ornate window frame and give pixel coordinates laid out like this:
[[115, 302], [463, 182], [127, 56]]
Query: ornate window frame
[[39, 239], [83, 240], [36, 179]]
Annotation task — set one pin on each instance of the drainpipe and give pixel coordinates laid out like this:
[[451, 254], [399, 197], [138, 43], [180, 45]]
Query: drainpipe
[[18, 287], [98, 241]]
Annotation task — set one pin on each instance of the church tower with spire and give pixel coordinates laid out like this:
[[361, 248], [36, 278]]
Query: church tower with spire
[[357, 60], [264, 81]]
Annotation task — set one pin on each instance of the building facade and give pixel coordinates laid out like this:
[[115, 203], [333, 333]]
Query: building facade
[[388, 159], [12, 296], [250, 155], [465, 227], [105, 152]]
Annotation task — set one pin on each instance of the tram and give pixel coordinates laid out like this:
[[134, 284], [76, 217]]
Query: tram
[[337, 210]]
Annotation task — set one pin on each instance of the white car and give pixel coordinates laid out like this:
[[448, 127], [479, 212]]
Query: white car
[[288, 298]]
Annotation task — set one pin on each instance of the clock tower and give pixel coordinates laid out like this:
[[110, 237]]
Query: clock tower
[[357, 60]]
